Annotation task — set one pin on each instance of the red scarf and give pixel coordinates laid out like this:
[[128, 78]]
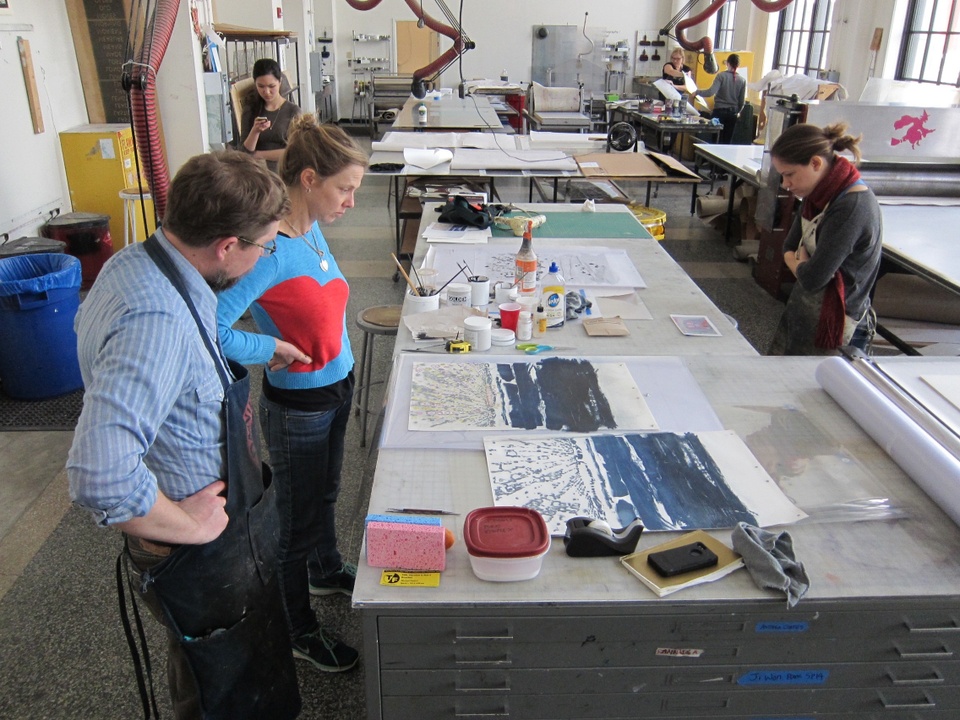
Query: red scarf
[[842, 174]]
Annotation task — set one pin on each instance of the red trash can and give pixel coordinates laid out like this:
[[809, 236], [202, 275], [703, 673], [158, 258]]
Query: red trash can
[[87, 236]]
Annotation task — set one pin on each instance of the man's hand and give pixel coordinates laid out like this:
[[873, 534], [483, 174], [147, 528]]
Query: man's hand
[[286, 354], [195, 520], [206, 509]]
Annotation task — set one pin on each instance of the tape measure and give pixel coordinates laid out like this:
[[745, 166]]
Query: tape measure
[[457, 346]]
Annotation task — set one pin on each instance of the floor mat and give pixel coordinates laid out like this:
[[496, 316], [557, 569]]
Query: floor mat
[[59, 413]]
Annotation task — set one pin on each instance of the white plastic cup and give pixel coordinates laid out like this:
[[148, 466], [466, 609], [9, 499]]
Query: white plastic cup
[[479, 290], [458, 294], [425, 279], [413, 304], [476, 331]]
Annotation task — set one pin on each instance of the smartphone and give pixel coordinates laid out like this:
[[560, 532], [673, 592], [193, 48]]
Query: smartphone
[[679, 560], [263, 118]]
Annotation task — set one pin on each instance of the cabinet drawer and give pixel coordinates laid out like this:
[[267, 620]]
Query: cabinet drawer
[[588, 652], [742, 678], [886, 704], [776, 627]]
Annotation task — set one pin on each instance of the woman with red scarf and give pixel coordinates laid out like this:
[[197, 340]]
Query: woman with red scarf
[[833, 247]]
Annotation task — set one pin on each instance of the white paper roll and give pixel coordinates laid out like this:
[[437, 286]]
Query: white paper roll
[[921, 457]]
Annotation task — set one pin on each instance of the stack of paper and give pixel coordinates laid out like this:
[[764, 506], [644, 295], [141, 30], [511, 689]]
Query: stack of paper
[[449, 233]]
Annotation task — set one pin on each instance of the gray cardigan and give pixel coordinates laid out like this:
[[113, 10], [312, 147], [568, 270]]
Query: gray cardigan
[[849, 238]]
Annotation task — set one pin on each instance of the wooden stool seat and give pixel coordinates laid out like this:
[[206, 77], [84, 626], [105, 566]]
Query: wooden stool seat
[[373, 321]]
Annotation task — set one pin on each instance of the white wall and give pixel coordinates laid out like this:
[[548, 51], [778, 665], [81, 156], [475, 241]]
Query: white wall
[[502, 30], [32, 180]]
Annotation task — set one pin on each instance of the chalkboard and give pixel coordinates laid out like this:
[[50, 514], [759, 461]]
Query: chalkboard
[[106, 24]]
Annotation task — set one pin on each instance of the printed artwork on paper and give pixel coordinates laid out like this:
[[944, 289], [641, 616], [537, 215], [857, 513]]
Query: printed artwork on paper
[[670, 481], [564, 394]]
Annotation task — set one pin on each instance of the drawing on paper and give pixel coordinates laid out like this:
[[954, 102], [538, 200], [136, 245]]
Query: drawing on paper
[[580, 267], [564, 394], [670, 481]]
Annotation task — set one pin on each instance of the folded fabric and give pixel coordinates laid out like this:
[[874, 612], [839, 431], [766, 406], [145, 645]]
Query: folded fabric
[[770, 560]]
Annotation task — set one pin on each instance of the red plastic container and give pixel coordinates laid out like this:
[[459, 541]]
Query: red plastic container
[[506, 543]]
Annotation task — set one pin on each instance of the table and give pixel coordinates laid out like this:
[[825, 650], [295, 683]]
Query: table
[[740, 162], [662, 132], [473, 112], [914, 237], [874, 637], [669, 290]]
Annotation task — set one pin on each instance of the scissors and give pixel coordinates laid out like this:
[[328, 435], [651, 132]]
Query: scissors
[[534, 348]]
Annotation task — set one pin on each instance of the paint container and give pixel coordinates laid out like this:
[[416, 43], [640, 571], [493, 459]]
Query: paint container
[[479, 290], [501, 338], [506, 544], [509, 314], [476, 331], [504, 293], [425, 303], [458, 294]]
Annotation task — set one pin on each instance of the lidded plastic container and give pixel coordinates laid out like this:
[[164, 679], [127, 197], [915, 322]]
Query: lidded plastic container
[[506, 543]]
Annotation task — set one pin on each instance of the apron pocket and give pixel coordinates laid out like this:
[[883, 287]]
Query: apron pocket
[[256, 681], [263, 528]]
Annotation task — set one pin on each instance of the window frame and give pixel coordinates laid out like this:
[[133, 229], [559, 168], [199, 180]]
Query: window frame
[[928, 36], [723, 34], [807, 35]]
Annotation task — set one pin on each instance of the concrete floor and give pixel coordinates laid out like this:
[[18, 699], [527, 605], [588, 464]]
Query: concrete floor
[[45, 675]]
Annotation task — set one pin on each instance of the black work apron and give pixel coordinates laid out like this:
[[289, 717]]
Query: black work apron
[[221, 600]]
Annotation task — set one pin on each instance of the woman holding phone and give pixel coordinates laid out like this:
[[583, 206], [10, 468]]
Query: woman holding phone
[[266, 114]]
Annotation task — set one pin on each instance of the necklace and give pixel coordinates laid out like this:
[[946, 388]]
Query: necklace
[[312, 244]]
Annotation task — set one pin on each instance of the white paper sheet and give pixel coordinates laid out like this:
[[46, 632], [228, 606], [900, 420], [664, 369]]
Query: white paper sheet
[[426, 159]]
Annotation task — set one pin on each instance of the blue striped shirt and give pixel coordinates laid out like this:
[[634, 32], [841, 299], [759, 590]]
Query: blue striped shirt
[[152, 409]]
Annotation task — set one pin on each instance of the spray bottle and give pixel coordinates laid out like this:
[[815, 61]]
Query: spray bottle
[[554, 297], [525, 272]]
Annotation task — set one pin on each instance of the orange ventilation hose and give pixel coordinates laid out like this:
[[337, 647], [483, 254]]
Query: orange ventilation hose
[[705, 44]]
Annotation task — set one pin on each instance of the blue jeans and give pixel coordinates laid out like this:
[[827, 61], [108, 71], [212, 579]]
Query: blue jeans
[[306, 455]]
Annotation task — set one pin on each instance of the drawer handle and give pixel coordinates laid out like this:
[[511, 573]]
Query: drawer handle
[[506, 634], [952, 626], [504, 686], [927, 702], [934, 678], [502, 711], [943, 652]]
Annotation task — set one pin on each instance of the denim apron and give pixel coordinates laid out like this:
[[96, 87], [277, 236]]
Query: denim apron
[[221, 600]]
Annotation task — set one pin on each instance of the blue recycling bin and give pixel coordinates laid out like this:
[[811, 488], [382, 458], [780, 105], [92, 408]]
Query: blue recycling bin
[[39, 298]]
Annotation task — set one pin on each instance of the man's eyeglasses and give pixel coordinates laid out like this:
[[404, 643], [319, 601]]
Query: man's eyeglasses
[[268, 248]]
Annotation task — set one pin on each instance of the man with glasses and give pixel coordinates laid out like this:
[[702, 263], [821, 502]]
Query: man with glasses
[[165, 449]]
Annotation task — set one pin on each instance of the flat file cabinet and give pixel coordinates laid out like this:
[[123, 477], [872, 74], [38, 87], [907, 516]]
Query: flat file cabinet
[[877, 636]]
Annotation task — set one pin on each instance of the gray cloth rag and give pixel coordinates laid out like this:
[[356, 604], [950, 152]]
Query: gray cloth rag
[[769, 558]]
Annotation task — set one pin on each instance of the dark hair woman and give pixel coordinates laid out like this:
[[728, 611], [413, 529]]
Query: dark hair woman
[[834, 245], [266, 115]]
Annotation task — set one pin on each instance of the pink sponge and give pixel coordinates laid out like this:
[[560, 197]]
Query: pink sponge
[[402, 546]]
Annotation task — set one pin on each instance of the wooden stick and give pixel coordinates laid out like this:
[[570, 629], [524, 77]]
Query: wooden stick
[[406, 277]]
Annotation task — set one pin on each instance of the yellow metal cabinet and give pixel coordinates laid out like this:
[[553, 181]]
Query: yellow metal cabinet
[[100, 162]]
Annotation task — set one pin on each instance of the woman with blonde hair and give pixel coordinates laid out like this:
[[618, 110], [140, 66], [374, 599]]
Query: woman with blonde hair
[[297, 296], [834, 245], [675, 70]]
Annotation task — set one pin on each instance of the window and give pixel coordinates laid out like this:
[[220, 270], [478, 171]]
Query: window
[[802, 37], [723, 37], [930, 52]]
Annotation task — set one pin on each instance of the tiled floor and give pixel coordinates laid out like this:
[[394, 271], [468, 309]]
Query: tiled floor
[[70, 577]]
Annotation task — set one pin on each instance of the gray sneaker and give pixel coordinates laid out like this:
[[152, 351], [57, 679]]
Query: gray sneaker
[[325, 652], [340, 581]]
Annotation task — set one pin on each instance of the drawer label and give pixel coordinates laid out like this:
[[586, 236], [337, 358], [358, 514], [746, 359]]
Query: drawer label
[[409, 578], [784, 677], [782, 627], [679, 652]]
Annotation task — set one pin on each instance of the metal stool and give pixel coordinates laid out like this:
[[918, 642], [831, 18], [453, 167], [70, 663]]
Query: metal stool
[[379, 320]]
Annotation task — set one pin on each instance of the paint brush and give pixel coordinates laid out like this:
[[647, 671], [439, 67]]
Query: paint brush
[[451, 279], [406, 277]]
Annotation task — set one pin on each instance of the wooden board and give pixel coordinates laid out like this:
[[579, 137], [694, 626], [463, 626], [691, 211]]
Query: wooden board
[[30, 80]]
